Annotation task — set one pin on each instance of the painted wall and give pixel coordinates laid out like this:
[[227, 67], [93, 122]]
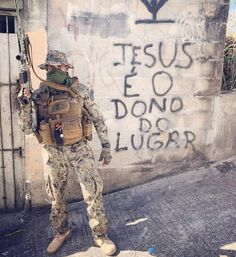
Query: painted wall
[[155, 72]]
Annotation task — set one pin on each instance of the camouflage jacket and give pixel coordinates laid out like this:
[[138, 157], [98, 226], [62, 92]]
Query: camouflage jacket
[[90, 106]]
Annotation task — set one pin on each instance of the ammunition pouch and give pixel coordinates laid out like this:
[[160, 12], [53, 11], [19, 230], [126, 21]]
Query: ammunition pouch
[[45, 133]]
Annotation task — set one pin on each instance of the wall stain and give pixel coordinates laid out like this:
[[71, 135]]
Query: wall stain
[[103, 26]]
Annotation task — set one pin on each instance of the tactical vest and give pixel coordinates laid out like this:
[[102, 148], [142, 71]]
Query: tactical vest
[[63, 120]]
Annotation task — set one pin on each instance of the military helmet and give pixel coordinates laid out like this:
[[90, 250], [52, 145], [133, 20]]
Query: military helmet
[[55, 58]]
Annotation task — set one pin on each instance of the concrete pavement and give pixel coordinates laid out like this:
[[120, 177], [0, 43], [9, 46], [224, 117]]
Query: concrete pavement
[[192, 214]]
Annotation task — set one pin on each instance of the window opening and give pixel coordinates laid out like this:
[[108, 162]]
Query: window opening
[[7, 24], [3, 24], [11, 24]]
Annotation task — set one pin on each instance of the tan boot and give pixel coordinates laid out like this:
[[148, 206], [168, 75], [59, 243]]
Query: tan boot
[[57, 241], [107, 246]]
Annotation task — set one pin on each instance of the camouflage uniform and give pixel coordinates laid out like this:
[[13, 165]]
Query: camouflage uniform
[[79, 158]]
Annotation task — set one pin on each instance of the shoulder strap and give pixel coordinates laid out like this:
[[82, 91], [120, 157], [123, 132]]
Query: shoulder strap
[[58, 86]]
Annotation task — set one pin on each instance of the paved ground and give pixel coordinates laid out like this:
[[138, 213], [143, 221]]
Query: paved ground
[[192, 214]]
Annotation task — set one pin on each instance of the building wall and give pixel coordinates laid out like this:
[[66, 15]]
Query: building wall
[[10, 4], [156, 79]]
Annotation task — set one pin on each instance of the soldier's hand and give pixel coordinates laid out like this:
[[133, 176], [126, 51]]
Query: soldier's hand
[[105, 155], [26, 93], [24, 96]]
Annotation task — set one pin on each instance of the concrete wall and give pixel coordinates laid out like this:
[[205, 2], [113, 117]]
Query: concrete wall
[[223, 132], [156, 79], [222, 138], [10, 4]]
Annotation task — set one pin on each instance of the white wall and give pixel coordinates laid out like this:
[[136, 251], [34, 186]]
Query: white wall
[[163, 76]]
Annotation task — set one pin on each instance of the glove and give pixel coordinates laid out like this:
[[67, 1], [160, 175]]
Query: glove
[[26, 93], [105, 155], [24, 96]]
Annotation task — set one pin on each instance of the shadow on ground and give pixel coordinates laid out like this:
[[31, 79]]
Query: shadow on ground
[[192, 214]]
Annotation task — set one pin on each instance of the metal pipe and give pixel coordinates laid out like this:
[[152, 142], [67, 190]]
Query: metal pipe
[[10, 149], [11, 120], [3, 161], [7, 85]]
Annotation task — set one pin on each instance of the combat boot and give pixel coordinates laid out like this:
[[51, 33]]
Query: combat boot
[[106, 245], [57, 241]]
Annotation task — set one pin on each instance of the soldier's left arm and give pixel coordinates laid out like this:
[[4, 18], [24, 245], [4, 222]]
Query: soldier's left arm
[[98, 121], [101, 128]]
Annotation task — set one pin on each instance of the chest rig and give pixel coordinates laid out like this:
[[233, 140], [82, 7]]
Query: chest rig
[[62, 119]]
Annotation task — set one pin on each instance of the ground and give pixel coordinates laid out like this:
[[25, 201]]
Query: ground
[[192, 214]]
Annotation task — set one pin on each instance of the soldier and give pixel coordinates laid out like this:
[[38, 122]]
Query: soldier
[[64, 127]]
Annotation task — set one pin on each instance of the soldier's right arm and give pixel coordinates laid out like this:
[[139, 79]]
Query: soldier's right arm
[[28, 111], [26, 119]]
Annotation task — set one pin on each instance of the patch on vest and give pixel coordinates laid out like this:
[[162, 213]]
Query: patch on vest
[[58, 107]]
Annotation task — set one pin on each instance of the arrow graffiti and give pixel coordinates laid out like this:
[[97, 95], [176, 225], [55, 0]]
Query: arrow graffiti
[[154, 7]]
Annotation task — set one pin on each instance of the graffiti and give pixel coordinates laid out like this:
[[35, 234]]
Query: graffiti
[[71, 26], [87, 23], [154, 7], [103, 26], [154, 130], [154, 141], [192, 27], [140, 108], [153, 55]]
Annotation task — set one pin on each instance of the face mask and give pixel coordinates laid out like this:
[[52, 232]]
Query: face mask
[[60, 77]]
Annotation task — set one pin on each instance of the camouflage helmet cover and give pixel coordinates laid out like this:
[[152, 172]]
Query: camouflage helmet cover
[[55, 58]]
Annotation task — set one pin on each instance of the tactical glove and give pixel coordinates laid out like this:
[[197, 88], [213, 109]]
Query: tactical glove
[[105, 155], [24, 96]]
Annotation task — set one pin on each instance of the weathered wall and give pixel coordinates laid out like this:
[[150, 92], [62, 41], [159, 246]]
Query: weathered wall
[[223, 132], [154, 78], [34, 17], [222, 137], [10, 4]]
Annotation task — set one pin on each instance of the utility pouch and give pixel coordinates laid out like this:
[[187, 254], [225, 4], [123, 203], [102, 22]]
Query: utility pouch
[[88, 131], [72, 131], [45, 133]]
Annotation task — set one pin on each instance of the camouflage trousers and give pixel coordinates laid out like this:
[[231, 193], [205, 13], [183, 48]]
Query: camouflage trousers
[[79, 158]]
